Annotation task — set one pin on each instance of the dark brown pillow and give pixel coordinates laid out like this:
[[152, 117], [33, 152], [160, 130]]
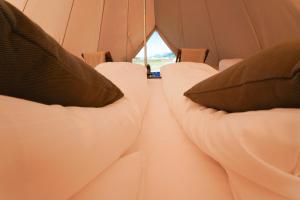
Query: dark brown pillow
[[35, 67], [269, 79]]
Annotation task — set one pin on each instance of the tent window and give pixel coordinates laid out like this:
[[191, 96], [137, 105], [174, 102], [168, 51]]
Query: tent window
[[159, 54]]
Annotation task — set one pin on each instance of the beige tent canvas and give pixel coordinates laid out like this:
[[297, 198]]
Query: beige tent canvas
[[228, 28]]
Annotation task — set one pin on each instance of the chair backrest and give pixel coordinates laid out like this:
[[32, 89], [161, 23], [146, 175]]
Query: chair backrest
[[93, 59], [192, 55]]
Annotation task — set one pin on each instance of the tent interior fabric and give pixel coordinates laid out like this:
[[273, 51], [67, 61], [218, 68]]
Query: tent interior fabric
[[228, 28]]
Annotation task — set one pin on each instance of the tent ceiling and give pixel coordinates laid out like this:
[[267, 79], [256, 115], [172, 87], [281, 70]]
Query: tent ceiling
[[229, 28]]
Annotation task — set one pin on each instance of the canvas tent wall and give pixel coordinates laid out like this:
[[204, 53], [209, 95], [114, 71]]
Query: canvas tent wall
[[229, 28]]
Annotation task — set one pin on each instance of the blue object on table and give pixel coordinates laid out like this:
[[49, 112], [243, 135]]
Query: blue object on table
[[156, 74], [153, 75]]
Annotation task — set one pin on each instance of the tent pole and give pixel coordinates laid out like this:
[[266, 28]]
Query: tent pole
[[145, 34]]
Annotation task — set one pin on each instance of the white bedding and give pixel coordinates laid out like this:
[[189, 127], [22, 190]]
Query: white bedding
[[260, 150], [123, 180], [52, 152], [175, 169], [131, 79]]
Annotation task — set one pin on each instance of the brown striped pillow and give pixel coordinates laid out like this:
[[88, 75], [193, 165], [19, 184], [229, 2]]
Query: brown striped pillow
[[35, 67], [269, 79]]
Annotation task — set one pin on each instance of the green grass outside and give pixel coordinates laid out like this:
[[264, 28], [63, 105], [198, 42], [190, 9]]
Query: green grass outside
[[155, 64]]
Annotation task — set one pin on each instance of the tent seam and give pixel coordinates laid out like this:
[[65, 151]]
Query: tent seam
[[68, 22], [101, 23], [127, 36], [252, 24], [212, 30], [182, 35], [25, 5], [154, 12]]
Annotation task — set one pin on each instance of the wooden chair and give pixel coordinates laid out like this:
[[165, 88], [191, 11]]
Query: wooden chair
[[192, 55], [93, 59]]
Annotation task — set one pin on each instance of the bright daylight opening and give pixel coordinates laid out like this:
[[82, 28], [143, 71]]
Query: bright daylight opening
[[159, 54]]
